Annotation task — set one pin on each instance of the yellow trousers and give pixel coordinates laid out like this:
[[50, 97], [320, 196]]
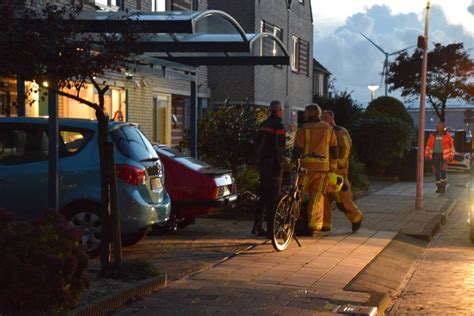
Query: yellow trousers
[[343, 201], [314, 185]]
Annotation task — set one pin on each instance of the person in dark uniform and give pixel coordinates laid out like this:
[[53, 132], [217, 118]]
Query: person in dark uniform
[[269, 149]]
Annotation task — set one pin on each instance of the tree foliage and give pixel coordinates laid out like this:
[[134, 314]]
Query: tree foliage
[[344, 107], [389, 107], [449, 75], [226, 135], [37, 45], [379, 141]]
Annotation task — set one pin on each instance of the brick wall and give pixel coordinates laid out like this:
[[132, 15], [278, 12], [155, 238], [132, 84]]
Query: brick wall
[[265, 83], [294, 89]]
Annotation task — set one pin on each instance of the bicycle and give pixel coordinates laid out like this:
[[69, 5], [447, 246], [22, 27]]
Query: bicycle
[[288, 209]]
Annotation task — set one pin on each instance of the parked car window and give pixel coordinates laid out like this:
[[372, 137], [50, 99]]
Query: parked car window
[[132, 143], [23, 145], [74, 141]]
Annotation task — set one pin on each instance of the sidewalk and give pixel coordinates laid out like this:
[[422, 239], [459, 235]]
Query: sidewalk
[[443, 282], [299, 280]]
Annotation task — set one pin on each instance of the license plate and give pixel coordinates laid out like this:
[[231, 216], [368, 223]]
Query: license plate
[[155, 183]]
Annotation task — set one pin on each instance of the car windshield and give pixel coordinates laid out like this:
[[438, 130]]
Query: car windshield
[[132, 143]]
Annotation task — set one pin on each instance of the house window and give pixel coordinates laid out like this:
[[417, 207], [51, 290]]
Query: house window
[[158, 5], [295, 54], [107, 3], [300, 55], [269, 46], [181, 5]]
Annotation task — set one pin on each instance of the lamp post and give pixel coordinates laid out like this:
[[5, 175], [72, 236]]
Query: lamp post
[[372, 89], [421, 125]]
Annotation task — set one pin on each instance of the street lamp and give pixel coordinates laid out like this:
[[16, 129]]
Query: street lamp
[[372, 89], [421, 125]]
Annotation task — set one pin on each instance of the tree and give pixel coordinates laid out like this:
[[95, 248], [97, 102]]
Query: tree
[[36, 45], [449, 75], [344, 107]]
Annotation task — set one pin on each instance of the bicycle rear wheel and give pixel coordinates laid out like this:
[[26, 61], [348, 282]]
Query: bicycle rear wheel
[[284, 222]]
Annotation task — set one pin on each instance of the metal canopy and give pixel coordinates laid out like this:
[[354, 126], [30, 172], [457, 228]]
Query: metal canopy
[[187, 22], [264, 49], [193, 43]]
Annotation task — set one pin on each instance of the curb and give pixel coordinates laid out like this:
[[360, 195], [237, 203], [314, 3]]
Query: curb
[[366, 280], [114, 301], [433, 220]]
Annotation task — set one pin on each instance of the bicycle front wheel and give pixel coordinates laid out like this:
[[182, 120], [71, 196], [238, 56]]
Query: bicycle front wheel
[[284, 222]]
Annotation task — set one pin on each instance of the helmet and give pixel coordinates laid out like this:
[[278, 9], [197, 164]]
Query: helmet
[[335, 182]]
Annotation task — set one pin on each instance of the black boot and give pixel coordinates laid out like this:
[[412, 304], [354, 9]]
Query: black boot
[[442, 188]]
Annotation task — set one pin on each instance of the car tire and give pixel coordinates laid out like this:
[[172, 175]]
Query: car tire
[[132, 239], [86, 217]]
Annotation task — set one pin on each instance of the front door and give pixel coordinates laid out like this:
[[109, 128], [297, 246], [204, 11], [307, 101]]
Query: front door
[[162, 119]]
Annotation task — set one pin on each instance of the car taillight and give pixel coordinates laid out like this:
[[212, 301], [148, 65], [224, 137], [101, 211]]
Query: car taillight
[[130, 174]]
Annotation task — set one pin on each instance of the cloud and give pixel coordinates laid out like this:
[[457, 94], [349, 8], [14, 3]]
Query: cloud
[[471, 9], [355, 63]]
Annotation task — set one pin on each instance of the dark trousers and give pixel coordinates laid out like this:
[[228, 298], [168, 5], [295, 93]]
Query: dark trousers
[[439, 169], [269, 193]]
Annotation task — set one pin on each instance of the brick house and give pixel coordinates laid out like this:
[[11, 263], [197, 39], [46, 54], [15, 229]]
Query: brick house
[[320, 79], [158, 101], [291, 22]]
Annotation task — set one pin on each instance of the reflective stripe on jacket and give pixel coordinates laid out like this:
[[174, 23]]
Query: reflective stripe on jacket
[[446, 144], [344, 145], [317, 138]]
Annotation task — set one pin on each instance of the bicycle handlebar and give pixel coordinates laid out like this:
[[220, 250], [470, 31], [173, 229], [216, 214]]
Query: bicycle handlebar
[[310, 155]]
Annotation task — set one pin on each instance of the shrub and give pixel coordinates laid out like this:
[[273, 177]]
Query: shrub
[[43, 269], [226, 135], [357, 176], [134, 270], [247, 179], [388, 107], [379, 141], [346, 109]]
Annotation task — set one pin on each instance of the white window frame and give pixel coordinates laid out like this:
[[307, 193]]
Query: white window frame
[[295, 54], [158, 5]]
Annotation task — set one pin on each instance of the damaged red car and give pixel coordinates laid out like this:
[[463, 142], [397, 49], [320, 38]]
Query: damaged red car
[[195, 188]]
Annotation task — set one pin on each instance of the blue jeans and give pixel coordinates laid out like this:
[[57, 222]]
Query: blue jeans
[[439, 168]]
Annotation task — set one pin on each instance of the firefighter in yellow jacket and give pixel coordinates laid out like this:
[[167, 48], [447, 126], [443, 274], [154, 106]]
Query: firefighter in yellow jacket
[[315, 138], [342, 198]]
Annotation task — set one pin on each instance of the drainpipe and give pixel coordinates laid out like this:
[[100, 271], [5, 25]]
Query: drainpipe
[[287, 105]]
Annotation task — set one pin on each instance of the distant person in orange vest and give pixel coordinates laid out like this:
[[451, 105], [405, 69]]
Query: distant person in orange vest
[[342, 198], [440, 150]]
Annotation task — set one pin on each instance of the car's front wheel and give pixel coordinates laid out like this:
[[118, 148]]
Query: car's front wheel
[[85, 217]]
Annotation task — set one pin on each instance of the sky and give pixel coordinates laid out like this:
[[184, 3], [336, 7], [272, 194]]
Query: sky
[[392, 24]]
